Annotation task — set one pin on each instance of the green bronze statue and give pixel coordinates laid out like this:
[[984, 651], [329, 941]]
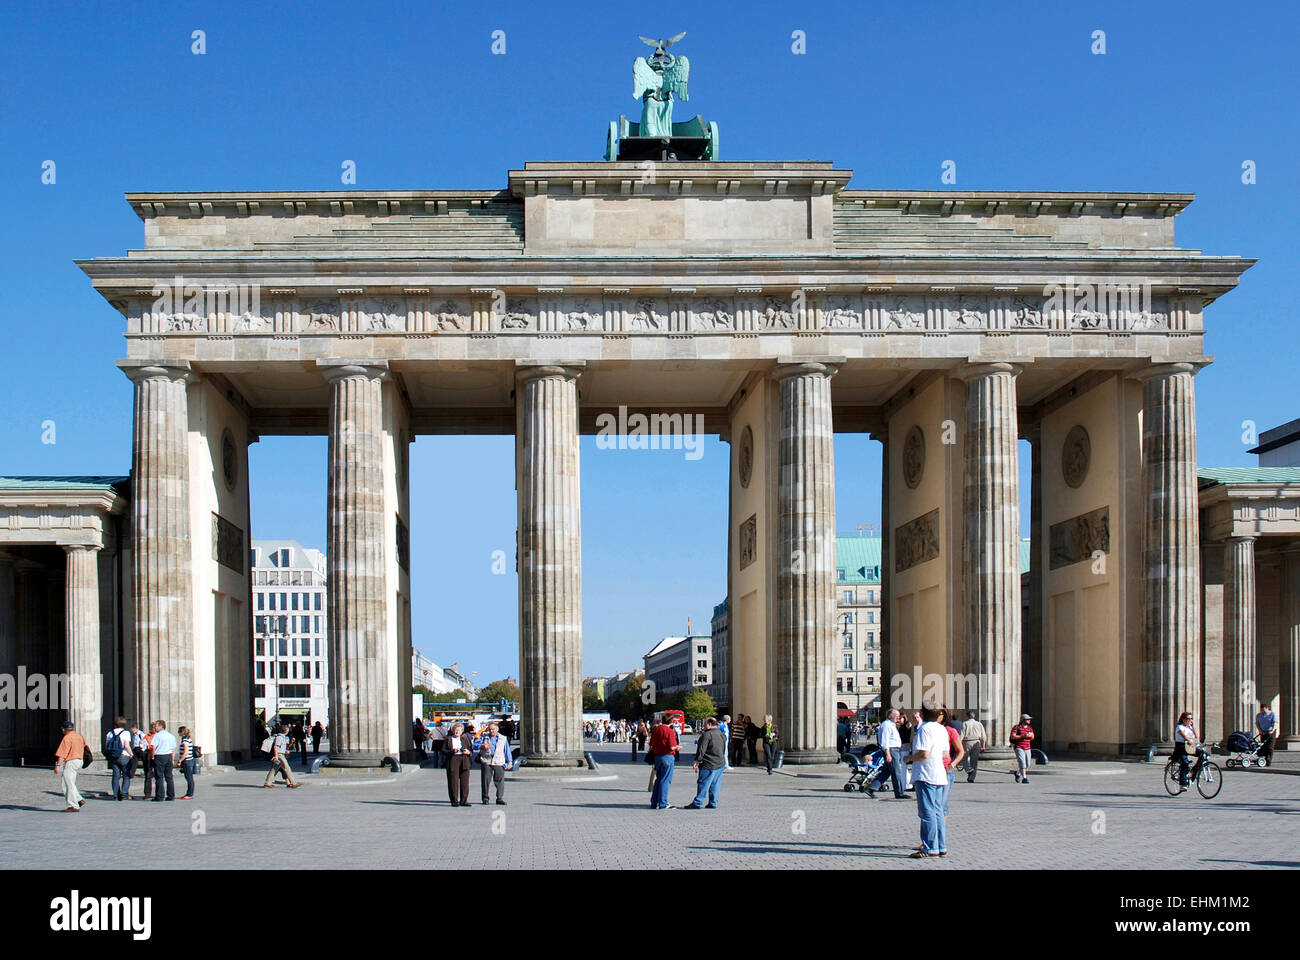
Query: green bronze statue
[[656, 80]]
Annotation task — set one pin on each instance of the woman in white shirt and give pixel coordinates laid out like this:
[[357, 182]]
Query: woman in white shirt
[[1185, 747]]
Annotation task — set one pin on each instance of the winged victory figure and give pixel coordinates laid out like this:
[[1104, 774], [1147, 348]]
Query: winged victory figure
[[656, 80]]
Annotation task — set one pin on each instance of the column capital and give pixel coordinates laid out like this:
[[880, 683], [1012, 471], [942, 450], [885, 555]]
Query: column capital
[[74, 547], [806, 366], [974, 370], [1167, 370], [1242, 538], [333, 369], [540, 370], [139, 370]]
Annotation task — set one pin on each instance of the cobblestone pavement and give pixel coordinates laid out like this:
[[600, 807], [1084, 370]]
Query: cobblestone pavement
[[1072, 814]]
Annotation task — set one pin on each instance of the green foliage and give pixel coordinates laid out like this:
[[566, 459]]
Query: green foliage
[[698, 706], [591, 702], [501, 690], [457, 694]]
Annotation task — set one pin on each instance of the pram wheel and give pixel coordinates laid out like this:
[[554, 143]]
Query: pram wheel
[[848, 788], [1262, 761], [1230, 763]]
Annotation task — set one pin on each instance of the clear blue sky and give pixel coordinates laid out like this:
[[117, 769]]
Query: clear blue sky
[[111, 93]]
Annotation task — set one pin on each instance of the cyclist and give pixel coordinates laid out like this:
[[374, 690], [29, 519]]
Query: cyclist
[[1185, 747]]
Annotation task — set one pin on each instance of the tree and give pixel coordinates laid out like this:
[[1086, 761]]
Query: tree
[[698, 706], [591, 702], [500, 690], [457, 694]]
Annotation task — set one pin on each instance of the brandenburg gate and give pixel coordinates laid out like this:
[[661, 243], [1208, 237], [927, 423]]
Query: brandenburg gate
[[771, 299]]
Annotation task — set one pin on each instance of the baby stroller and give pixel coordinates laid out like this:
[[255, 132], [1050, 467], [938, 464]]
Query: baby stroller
[[862, 770], [1246, 748]]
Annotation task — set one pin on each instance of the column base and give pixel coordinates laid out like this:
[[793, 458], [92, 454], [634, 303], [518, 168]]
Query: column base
[[803, 756], [556, 760], [998, 753], [356, 760]]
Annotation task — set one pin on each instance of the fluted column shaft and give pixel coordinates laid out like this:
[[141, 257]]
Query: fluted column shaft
[[85, 678], [1239, 635], [1171, 552], [991, 548], [160, 536], [550, 564], [1288, 712], [805, 628], [357, 621], [886, 566]]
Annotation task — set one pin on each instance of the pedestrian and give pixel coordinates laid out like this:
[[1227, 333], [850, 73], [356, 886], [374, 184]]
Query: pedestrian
[[317, 731], [189, 760], [710, 764], [1266, 724], [69, 758], [280, 759], [458, 747], [419, 734], [841, 736], [752, 733], [1022, 739], [494, 760], [724, 728], [769, 742], [300, 741], [145, 741], [929, 745], [975, 740], [642, 734], [438, 738], [162, 754], [118, 756], [738, 731], [664, 745], [952, 756], [889, 740]]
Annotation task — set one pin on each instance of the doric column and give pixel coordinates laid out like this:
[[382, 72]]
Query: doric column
[[886, 606], [991, 547], [550, 563], [1288, 661], [1239, 635], [8, 653], [357, 621], [805, 609], [1031, 683], [1171, 551], [160, 537], [85, 680]]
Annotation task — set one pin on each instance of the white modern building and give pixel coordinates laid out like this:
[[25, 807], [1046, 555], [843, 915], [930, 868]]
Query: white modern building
[[290, 654], [426, 673], [680, 663]]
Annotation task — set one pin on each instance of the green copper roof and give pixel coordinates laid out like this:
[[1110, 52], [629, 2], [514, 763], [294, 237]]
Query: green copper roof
[[1213, 475], [62, 483], [859, 558]]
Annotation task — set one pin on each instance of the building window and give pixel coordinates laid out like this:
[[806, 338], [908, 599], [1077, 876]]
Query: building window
[[871, 638], [259, 690], [701, 649], [848, 682], [317, 630], [871, 661], [261, 601], [839, 573], [318, 600], [317, 669], [848, 596], [316, 646], [871, 616], [284, 670], [261, 670], [839, 684], [848, 661], [703, 664], [284, 647]]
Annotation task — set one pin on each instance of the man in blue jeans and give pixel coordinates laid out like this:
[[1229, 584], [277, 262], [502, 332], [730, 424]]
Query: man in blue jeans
[[117, 752], [929, 746], [890, 741], [710, 762], [664, 747]]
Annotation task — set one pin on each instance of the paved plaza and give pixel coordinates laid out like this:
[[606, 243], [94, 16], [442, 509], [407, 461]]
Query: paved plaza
[[1072, 814]]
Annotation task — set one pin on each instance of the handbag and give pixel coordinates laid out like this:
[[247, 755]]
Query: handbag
[[87, 758]]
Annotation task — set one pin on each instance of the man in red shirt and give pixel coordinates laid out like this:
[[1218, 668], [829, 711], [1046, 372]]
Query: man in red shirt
[[664, 747], [1022, 738]]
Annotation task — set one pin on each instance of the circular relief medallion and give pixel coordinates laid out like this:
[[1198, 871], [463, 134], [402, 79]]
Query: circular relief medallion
[[229, 465], [1076, 456], [746, 456], [913, 457]]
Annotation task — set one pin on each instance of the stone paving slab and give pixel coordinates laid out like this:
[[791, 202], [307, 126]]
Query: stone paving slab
[[1072, 815]]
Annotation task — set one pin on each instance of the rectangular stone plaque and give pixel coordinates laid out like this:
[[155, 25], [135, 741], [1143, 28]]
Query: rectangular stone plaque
[[1079, 537], [749, 541], [916, 541], [228, 544], [403, 546]]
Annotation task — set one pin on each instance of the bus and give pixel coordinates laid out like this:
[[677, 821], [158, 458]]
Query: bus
[[672, 717]]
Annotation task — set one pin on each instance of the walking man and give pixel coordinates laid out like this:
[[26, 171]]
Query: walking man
[[724, 728], [280, 759], [1266, 724], [664, 745], [162, 751], [929, 747], [117, 753], [975, 739], [738, 730], [710, 764], [1022, 738], [68, 761], [889, 740], [494, 759], [317, 731]]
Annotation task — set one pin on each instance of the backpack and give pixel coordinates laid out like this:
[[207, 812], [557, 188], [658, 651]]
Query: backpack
[[268, 745], [113, 745]]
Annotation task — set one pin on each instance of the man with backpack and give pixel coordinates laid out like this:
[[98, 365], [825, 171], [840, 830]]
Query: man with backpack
[[278, 747], [117, 754]]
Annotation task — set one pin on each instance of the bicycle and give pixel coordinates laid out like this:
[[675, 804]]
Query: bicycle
[[1205, 772]]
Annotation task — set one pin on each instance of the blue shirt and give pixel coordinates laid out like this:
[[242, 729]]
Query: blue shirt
[[164, 744]]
